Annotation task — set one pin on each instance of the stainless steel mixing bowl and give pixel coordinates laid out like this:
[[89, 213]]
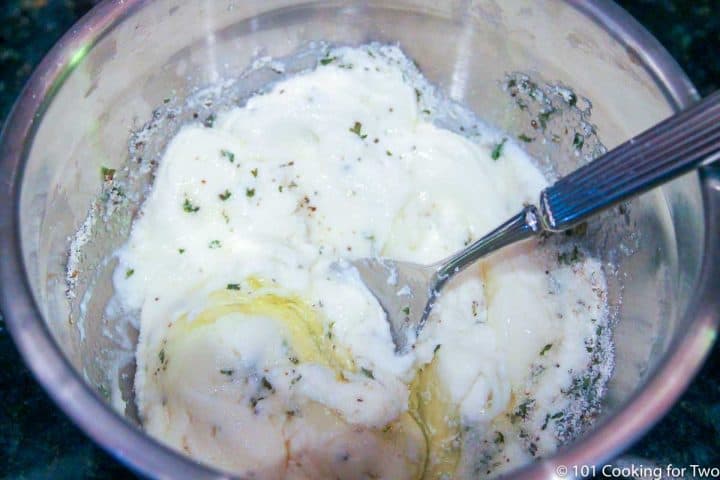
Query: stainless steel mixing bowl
[[103, 79]]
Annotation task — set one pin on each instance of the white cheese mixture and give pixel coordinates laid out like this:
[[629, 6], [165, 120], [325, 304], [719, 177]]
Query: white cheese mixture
[[259, 356]]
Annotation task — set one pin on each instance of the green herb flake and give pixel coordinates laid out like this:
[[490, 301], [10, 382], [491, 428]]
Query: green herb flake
[[525, 138], [227, 372], [233, 286], [357, 130], [327, 60], [578, 141], [533, 90], [573, 256], [266, 384], [215, 244], [294, 360], [545, 422], [406, 310], [254, 172], [388, 153], [107, 174], [189, 207], [532, 449], [498, 149], [572, 100], [161, 356], [499, 438], [103, 391], [116, 191], [437, 347], [543, 117], [228, 154], [525, 408], [181, 251], [367, 373], [129, 272], [209, 121], [249, 192], [426, 111], [225, 195], [546, 349]]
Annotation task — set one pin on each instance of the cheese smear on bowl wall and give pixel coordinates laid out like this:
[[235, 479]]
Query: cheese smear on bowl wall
[[259, 355]]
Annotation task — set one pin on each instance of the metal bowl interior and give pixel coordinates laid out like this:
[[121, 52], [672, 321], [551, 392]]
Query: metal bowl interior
[[105, 78]]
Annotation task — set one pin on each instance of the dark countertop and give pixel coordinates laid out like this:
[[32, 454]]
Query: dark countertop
[[37, 441]]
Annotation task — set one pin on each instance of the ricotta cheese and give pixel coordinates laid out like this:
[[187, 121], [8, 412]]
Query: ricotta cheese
[[259, 356]]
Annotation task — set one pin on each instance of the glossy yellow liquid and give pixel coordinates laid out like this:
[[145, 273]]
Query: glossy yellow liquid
[[431, 418]]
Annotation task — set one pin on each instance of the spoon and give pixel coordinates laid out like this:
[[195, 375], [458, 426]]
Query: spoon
[[685, 141]]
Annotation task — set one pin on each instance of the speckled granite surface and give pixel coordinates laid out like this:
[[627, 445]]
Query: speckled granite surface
[[37, 441]]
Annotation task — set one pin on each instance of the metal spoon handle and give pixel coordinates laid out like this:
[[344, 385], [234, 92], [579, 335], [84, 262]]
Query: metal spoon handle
[[669, 149], [523, 225], [675, 146]]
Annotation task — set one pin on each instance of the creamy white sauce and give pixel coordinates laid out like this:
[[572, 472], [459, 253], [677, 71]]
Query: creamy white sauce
[[259, 356]]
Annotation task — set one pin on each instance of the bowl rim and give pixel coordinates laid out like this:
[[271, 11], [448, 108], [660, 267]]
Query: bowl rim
[[147, 456]]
